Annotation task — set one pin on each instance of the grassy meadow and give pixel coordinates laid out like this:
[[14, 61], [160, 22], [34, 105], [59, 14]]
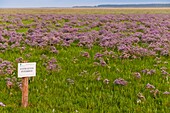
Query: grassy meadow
[[78, 75]]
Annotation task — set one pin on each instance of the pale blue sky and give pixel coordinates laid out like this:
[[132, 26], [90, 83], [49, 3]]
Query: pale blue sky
[[69, 3]]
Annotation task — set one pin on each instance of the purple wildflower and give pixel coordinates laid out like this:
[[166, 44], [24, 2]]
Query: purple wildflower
[[155, 92], [166, 93], [103, 63], [98, 55], [85, 54], [9, 84], [120, 81], [137, 75], [19, 60], [2, 104], [149, 86]]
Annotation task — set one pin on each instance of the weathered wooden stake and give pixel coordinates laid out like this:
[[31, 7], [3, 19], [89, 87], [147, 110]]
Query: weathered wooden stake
[[25, 91]]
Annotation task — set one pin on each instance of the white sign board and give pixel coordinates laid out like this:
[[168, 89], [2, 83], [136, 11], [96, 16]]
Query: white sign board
[[26, 69]]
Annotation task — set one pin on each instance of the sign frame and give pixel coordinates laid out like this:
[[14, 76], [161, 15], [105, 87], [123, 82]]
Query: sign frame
[[26, 69]]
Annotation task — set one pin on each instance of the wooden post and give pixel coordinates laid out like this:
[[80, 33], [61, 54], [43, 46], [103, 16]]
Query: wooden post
[[25, 91]]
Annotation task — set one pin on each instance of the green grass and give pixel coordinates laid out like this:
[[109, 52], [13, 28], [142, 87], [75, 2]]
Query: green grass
[[96, 28], [50, 91], [22, 30], [27, 22], [5, 23]]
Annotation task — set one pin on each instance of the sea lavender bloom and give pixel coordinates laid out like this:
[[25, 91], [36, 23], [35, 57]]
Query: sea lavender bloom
[[165, 53], [149, 86], [9, 84], [52, 60], [51, 65], [2, 104], [85, 54], [125, 56], [103, 63], [9, 70], [151, 72], [19, 60], [137, 75], [6, 67], [53, 49], [120, 81], [164, 72], [6, 62], [98, 55], [145, 71], [166, 93], [155, 92]]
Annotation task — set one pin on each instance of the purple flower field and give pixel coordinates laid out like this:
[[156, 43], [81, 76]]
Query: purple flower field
[[132, 35]]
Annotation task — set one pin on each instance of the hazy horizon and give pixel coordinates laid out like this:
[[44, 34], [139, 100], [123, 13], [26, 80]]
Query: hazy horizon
[[68, 3]]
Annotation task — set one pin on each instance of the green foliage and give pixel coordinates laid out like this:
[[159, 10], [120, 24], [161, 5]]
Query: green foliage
[[22, 30], [27, 22], [53, 91], [96, 28]]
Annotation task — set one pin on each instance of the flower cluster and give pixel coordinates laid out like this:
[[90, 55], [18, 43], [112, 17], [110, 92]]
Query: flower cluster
[[52, 65], [120, 81], [6, 67]]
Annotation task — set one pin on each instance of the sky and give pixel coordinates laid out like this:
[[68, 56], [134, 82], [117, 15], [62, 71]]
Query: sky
[[68, 3]]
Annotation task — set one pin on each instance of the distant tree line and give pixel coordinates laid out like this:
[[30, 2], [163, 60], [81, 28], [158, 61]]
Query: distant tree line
[[135, 5], [125, 5]]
